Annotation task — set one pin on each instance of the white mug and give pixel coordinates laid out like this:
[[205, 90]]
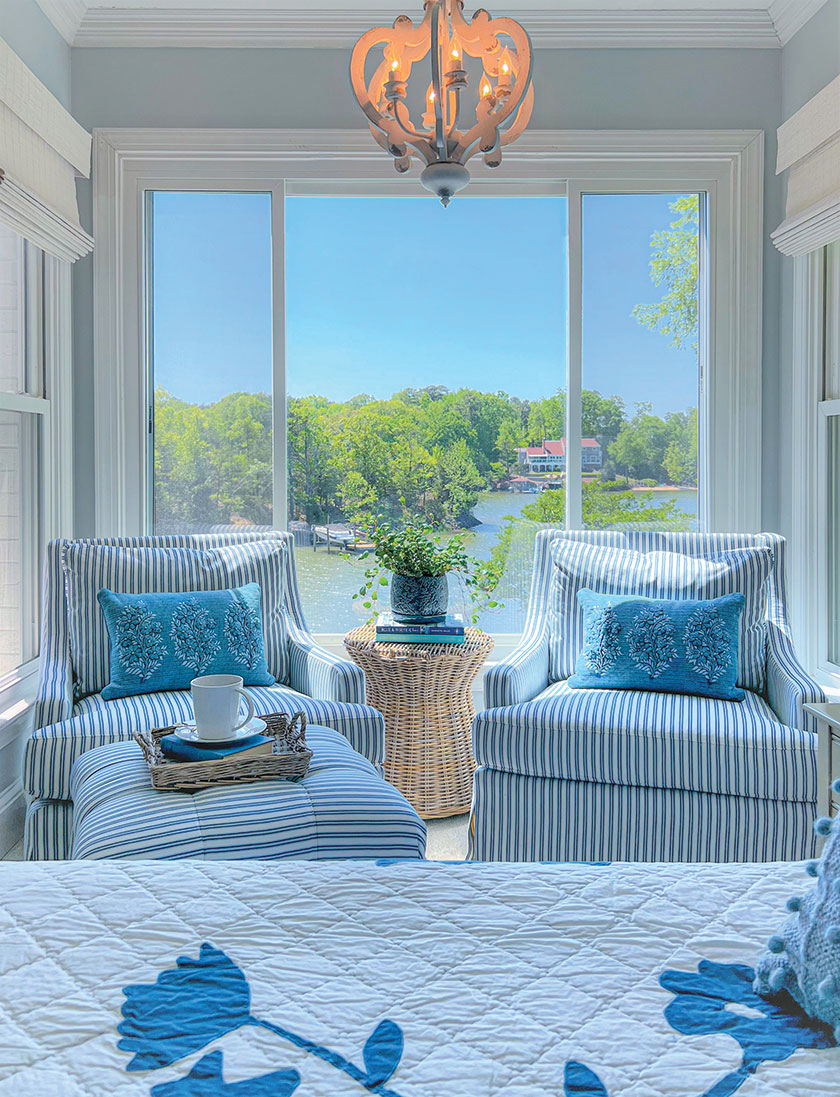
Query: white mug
[[216, 700]]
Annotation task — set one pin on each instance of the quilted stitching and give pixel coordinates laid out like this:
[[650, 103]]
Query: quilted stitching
[[497, 974]]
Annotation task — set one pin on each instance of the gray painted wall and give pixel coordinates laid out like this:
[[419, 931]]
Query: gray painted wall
[[811, 59], [575, 89], [38, 44]]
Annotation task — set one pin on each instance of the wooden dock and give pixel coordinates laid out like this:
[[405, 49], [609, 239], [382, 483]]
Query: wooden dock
[[341, 537]]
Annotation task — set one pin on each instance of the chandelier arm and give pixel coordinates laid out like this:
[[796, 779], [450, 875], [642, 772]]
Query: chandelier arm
[[453, 124], [409, 130], [440, 140], [486, 135], [517, 127]]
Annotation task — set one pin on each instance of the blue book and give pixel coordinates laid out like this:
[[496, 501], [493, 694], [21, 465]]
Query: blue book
[[386, 624], [417, 638], [176, 749]]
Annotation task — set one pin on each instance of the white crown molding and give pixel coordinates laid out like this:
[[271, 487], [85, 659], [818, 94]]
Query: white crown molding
[[735, 28], [249, 147], [65, 15], [789, 16]]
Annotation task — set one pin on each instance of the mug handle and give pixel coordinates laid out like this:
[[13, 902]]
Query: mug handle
[[252, 712]]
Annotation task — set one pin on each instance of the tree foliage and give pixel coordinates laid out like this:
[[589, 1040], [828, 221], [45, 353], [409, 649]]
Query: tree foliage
[[424, 454], [606, 508], [675, 266]]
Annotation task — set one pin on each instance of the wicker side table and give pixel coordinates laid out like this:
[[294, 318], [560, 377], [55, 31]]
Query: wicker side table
[[424, 691]]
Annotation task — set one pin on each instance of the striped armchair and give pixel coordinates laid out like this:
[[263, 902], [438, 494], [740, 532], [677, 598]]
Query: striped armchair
[[580, 775], [71, 719]]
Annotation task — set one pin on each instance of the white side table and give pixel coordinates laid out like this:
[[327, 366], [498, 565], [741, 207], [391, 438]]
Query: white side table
[[827, 715]]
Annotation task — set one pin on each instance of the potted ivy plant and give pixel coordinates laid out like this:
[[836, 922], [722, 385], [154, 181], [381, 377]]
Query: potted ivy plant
[[415, 561]]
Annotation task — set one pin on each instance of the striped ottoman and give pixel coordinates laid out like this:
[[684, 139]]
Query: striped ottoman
[[342, 808]]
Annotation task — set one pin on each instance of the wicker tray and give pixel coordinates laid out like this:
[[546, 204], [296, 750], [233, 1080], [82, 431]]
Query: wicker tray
[[289, 758]]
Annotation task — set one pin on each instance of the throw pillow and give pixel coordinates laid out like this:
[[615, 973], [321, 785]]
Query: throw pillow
[[804, 959], [608, 569], [684, 646], [163, 641], [168, 565]]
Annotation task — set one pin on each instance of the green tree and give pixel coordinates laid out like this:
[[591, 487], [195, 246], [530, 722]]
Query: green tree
[[602, 416], [675, 266], [313, 477], [639, 449], [457, 485], [547, 419], [603, 509], [680, 460], [508, 440]]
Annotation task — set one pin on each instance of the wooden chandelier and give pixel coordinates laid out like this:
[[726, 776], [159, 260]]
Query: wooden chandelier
[[503, 96]]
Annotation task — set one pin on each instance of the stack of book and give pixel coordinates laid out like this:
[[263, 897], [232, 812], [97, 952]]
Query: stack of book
[[449, 631], [177, 750]]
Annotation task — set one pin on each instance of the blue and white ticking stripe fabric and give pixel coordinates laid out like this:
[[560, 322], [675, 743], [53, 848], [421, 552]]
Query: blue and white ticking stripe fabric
[[50, 752], [171, 565], [47, 830], [656, 573], [55, 668], [517, 818], [341, 808], [330, 690], [663, 740], [691, 772]]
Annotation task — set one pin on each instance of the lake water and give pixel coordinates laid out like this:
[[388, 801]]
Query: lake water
[[328, 582]]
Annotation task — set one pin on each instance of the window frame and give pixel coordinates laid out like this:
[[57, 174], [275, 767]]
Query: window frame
[[815, 399], [45, 349], [727, 166]]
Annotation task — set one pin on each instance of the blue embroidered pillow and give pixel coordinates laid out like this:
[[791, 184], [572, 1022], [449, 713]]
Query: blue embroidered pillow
[[163, 641], [656, 644]]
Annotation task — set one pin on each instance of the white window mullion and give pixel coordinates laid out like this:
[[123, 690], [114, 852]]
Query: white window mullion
[[280, 492], [574, 358], [705, 319]]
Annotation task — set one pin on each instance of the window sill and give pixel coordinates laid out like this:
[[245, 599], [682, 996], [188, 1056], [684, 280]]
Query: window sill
[[17, 695]]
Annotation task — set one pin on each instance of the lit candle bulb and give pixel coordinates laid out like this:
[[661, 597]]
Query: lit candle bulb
[[429, 115], [486, 88], [393, 66], [505, 67], [456, 57]]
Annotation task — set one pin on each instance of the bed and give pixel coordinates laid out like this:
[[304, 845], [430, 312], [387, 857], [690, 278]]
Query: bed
[[263, 979]]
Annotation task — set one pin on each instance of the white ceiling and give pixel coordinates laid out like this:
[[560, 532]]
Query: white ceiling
[[755, 24]]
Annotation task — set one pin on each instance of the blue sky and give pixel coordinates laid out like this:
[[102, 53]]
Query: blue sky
[[382, 294]]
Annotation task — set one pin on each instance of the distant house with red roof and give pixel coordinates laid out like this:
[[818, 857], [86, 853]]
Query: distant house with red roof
[[551, 456]]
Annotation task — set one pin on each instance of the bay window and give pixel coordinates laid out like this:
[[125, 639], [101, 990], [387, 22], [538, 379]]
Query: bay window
[[317, 353], [24, 418]]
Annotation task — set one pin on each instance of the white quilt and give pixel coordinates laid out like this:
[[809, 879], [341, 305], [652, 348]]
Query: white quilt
[[411, 979]]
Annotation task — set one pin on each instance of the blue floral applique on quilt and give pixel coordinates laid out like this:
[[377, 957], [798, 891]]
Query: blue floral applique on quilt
[[766, 1031], [203, 998], [207, 1080], [580, 1081]]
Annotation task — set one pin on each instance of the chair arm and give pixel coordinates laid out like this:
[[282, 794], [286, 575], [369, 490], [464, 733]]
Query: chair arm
[[323, 676], [54, 699], [789, 686], [521, 676]]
